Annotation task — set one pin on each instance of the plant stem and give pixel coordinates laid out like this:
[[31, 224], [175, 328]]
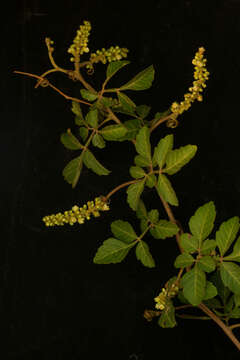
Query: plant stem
[[234, 326], [120, 187]]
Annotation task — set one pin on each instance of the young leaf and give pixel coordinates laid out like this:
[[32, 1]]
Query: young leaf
[[189, 243], [114, 67], [83, 132], [176, 159], [143, 111], [162, 149], [70, 141], [194, 283], [141, 161], [235, 255], [141, 211], [208, 246], [88, 95], [165, 190], [123, 230], [227, 233], [167, 318], [207, 264], [126, 103], [151, 180], [164, 229], [141, 81], [136, 172], [143, 145], [76, 109], [92, 118], [183, 260], [98, 141], [143, 254], [113, 132], [202, 222], [72, 170], [92, 163], [134, 192], [210, 291], [230, 274], [112, 251], [153, 216]]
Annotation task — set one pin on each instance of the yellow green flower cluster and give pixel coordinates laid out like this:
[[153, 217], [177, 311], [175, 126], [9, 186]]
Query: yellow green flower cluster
[[107, 55], [200, 78], [78, 214], [164, 294], [80, 42]]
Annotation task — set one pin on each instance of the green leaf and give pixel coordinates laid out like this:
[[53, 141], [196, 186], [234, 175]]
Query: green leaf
[[76, 109], [126, 103], [235, 255], [213, 303], [165, 190], [210, 291], [92, 163], [141, 161], [136, 172], [227, 233], [83, 132], [207, 264], [189, 243], [141, 81], [167, 318], [134, 192], [208, 246], [160, 115], [143, 254], [113, 132], [153, 216], [230, 274], [223, 291], [143, 145], [114, 67], [235, 313], [151, 180], [132, 126], [183, 260], [202, 222], [98, 141], [162, 149], [236, 298], [143, 111], [143, 224], [123, 230], [112, 251], [70, 141], [72, 170], [92, 118], [88, 95], [194, 283], [164, 229], [176, 159], [141, 211]]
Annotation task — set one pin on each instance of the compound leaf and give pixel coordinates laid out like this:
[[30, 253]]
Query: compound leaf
[[141, 81], [194, 283], [164, 229], [230, 274], [112, 251], [162, 149], [92, 163], [183, 260], [113, 132], [123, 230], [176, 159], [165, 190], [227, 233], [134, 192]]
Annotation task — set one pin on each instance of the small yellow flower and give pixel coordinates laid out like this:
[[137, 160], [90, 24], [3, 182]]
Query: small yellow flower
[[80, 42], [161, 299], [78, 214], [107, 55]]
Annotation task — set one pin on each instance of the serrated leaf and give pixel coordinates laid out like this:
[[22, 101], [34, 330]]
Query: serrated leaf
[[134, 192], [112, 251], [88, 95], [143, 145], [210, 291], [92, 118], [136, 172], [164, 229], [133, 126], [141, 161], [70, 141], [114, 67], [207, 264], [72, 170], [143, 254], [235, 255], [167, 318], [83, 132], [141, 211], [177, 158], [189, 243], [92, 163], [162, 149], [194, 283], [98, 141], [126, 103], [202, 222], [141, 81], [123, 230], [153, 216], [227, 233], [183, 260], [230, 274], [165, 190], [208, 246], [151, 181], [113, 132], [143, 110]]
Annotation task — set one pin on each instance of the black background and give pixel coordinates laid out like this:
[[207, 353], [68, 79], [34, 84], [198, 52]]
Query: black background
[[57, 304]]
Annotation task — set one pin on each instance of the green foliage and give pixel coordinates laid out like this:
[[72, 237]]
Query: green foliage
[[70, 141], [136, 172], [143, 254], [210, 291], [235, 255], [126, 103], [141, 81], [230, 274], [143, 111], [194, 283], [134, 191], [123, 231], [189, 243], [72, 170], [226, 234], [167, 318], [143, 145], [162, 149], [98, 141], [112, 251], [183, 260], [164, 229], [92, 163], [92, 118], [83, 132], [114, 67], [88, 95], [176, 159], [113, 132], [166, 191]]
